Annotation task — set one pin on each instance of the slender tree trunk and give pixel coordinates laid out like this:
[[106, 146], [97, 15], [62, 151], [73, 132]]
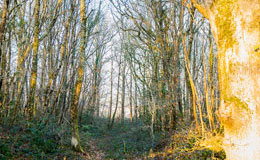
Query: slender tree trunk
[[75, 140], [211, 79], [190, 100], [194, 91], [2, 32], [33, 79], [209, 111], [3, 56], [136, 105], [123, 94], [111, 93], [131, 97], [3, 22], [117, 94]]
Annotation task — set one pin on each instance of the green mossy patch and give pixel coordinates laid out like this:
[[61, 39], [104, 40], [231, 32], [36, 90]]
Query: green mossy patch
[[237, 102], [235, 115]]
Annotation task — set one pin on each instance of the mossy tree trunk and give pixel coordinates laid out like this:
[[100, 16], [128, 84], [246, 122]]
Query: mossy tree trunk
[[33, 78], [236, 29], [2, 32], [75, 139]]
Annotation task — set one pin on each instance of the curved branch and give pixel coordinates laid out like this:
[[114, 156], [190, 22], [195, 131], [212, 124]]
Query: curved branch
[[200, 8]]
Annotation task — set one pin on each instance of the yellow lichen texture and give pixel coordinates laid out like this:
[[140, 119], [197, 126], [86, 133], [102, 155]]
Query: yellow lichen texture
[[234, 114], [237, 102], [225, 11], [224, 20]]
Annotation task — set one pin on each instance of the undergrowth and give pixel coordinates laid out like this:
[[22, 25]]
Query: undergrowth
[[188, 144], [29, 140], [123, 141], [35, 140]]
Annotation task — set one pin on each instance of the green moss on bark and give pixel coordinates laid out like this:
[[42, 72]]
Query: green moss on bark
[[237, 102], [224, 21]]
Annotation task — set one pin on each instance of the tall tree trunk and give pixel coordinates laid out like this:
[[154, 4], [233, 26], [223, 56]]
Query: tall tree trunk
[[117, 93], [135, 100], [131, 98], [190, 99], [123, 93], [211, 78], [33, 79], [2, 32], [111, 93], [75, 139], [236, 29]]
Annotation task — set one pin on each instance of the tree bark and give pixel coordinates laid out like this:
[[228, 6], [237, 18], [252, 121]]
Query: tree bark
[[131, 98], [236, 29], [117, 93], [33, 78], [2, 32], [111, 93], [75, 139], [123, 93]]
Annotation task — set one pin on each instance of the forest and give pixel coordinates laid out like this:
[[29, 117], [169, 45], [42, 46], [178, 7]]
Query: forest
[[129, 79]]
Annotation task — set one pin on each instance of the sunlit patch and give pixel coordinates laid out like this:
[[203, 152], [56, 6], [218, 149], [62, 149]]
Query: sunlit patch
[[244, 145], [238, 37]]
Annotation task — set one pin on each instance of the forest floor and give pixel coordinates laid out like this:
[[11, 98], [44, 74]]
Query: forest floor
[[33, 140], [123, 141]]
